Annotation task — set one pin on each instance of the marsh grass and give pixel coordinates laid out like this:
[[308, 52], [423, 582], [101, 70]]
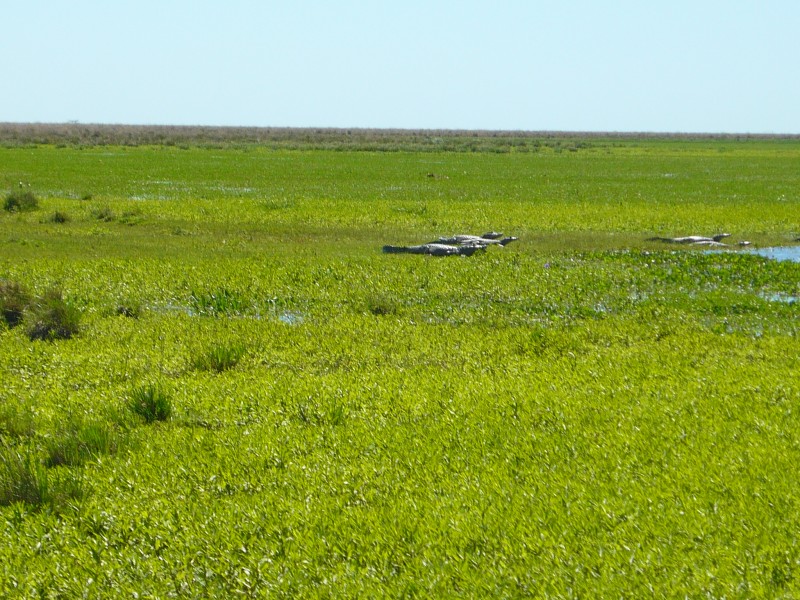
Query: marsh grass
[[581, 414], [220, 357], [105, 214], [221, 302], [50, 317], [131, 217], [23, 478], [83, 441], [151, 402], [18, 201], [16, 419], [129, 308], [59, 217], [14, 299], [382, 305]]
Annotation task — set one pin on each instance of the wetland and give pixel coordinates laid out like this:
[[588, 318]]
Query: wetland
[[258, 401]]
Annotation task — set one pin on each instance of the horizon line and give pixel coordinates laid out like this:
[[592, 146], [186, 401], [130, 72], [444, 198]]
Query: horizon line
[[402, 130]]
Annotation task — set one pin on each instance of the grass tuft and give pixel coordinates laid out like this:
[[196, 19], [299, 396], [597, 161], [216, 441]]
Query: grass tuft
[[130, 309], [220, 357], [23, 478], [151, 402], [382, 305], [15, 420], [14, 299], [81, 442], [218, 302], [104, 214], [21, 202], [52, 318], [59, 217]]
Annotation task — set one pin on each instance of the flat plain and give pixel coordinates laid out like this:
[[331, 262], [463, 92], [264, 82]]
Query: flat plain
[[583, 413]]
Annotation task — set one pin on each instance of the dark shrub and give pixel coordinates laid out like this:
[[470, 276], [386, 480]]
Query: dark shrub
[[59, 217], [21, 202]]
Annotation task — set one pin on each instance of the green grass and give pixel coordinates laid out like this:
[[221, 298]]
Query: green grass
[[151, 402], [220, 357], [83, 441], [24, 480], [581, 414], [18, 201], [50, 317], [14, 300]]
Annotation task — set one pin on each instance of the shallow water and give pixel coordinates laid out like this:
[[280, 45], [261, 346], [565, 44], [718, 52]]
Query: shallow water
[[291, 318], [780, 253], [785, 298]]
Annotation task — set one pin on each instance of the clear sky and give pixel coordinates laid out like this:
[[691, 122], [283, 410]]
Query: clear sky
[[571, 65]]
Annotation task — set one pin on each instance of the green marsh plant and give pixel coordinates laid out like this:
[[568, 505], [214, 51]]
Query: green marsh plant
[[151, 402], [584, 413], [14, 299], [19, 201], [382, 305], [219, 302], [59, 217], [23, 478], [50, 317], [104, 214], [130, 308], [16, 420], [219, 358], [83, 441]]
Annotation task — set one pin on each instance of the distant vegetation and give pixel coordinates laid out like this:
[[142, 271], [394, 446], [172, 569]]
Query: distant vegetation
[[385, 140]]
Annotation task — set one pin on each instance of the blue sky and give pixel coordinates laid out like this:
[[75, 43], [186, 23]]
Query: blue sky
[[570, 65]]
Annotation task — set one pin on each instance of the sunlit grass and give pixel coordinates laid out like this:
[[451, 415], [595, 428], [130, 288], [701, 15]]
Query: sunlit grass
[[151, 402], [293, 413]]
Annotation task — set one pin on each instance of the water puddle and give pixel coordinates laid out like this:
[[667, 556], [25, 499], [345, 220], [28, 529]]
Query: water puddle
[[779, 253], [167, 309], [784, 298], [290, 318]]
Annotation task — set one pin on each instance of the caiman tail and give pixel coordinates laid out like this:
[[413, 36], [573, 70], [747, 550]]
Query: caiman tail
[[395, 249]]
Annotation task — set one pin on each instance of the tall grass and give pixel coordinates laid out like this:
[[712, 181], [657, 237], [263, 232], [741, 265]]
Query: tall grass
[[82, 441], [16, 419], [220, 357], [151, 402], [14, 299], [23, 478], [19, 201], [52, 318], [218, 302]]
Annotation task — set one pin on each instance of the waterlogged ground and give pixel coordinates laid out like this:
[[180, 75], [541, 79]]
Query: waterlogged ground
[[579, 414]]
